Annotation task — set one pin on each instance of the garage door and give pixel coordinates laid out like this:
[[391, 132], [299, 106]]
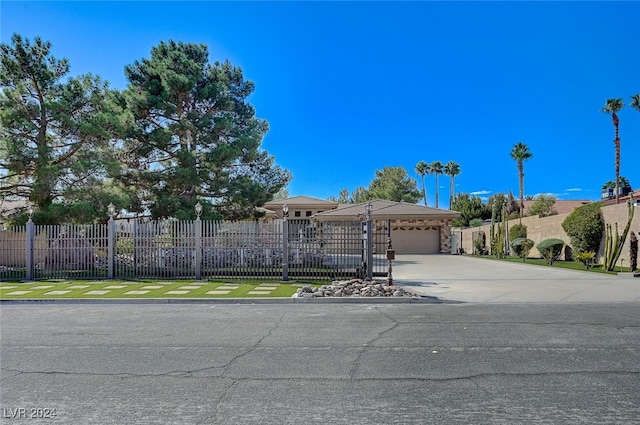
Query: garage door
[[416, 240]]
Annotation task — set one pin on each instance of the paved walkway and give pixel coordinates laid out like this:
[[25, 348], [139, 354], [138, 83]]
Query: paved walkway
[[471, 279]]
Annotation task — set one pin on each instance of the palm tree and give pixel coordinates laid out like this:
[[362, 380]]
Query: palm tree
[[635, 102], [612, 106], [436, 168], [422, 168], [451, 169], [520, 153]]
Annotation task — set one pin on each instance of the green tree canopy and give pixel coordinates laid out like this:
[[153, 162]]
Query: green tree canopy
[[499, 199], [393, 184], [390, 183], [469, 207], [543, 206], [585, 227], [54, 133], [195, 137]]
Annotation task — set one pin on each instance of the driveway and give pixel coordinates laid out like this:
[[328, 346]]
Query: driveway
[[472, 279]]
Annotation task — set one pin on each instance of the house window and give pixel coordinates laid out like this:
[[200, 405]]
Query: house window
[[308, 213], [296, 214]]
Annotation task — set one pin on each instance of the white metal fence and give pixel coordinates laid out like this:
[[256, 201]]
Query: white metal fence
[[197, 249]]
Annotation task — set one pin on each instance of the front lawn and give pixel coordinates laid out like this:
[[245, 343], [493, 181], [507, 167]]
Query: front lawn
[[92, 289]]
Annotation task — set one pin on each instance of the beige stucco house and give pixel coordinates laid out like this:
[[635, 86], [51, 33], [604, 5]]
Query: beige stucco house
[[299, 207], [414, 229]]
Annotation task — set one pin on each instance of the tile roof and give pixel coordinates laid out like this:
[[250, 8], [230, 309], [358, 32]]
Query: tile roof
[[385, 209], [562, 207], [300, 200]]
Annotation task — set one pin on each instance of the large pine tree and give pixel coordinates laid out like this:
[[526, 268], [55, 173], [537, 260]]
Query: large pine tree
[[195, 137], [54, 132]]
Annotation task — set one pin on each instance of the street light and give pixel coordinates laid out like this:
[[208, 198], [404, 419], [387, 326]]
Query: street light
[[112, 211], [198, 210], [369, 210], [30, 211], [285, 210]]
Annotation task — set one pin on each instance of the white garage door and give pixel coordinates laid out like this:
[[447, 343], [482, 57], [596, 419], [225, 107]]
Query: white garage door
[[416, 240]]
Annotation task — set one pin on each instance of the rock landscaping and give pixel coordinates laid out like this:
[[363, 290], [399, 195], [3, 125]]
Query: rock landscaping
[[353, 288]]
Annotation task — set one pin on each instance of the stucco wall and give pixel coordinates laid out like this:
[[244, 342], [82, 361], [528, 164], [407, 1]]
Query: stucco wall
[[541, 228]]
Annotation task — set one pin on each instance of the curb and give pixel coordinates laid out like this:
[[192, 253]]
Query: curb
[[317, 300]]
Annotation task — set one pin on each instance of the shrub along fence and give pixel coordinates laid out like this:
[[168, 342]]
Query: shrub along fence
[[138, 248]]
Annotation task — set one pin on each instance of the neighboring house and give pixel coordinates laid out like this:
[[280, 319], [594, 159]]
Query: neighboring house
[[561, 207], [300, 207], [624, 198], [9, 208], [414, 229]]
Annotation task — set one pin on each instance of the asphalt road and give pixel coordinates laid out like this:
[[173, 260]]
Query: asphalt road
[[321, 364]]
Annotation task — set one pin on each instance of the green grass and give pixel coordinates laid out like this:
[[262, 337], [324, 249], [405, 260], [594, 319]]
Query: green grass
[[85, 289], [571, 265]]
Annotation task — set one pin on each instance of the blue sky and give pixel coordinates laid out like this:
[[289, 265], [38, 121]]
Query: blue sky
[[351, 87]]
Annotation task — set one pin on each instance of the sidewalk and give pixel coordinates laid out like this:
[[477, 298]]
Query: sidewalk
[[469, 279]]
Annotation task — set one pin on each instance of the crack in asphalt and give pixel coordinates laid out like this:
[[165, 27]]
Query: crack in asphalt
[[216, 416], [172, 373], [254, 346], [363, 347], [399, 378]]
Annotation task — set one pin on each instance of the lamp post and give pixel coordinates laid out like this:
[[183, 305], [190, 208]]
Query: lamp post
[[285, 242], [198, 241], [111, 236], [112, 211], [30, 228]]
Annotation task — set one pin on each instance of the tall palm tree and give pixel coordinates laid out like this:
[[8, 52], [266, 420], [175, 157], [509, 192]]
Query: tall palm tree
[[521, 153], [422, 168], [451, 169], [436, 168], [612, 106], [635, 102]]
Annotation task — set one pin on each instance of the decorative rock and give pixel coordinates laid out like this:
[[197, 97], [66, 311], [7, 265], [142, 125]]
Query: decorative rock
[[354, 288]]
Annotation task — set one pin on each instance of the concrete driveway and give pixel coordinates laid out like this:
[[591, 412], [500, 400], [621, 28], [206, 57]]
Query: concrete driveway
[[471, 279]]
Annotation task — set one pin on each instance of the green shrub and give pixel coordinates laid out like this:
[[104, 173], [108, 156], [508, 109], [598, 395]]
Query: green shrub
[[586, 258], [585, 226], [551, 249], [522, 246], [517, 231], [479, 244]]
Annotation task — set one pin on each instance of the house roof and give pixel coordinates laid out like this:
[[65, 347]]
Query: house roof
[[381, 209], [300, 201], [625, 198], [562, 207], [10, 207]]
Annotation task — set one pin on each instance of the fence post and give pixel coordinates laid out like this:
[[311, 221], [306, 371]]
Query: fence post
[[369, 249], [111, 247], [30, 241], [285, 242], [135, 246], [198, 224], [369, 246]]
